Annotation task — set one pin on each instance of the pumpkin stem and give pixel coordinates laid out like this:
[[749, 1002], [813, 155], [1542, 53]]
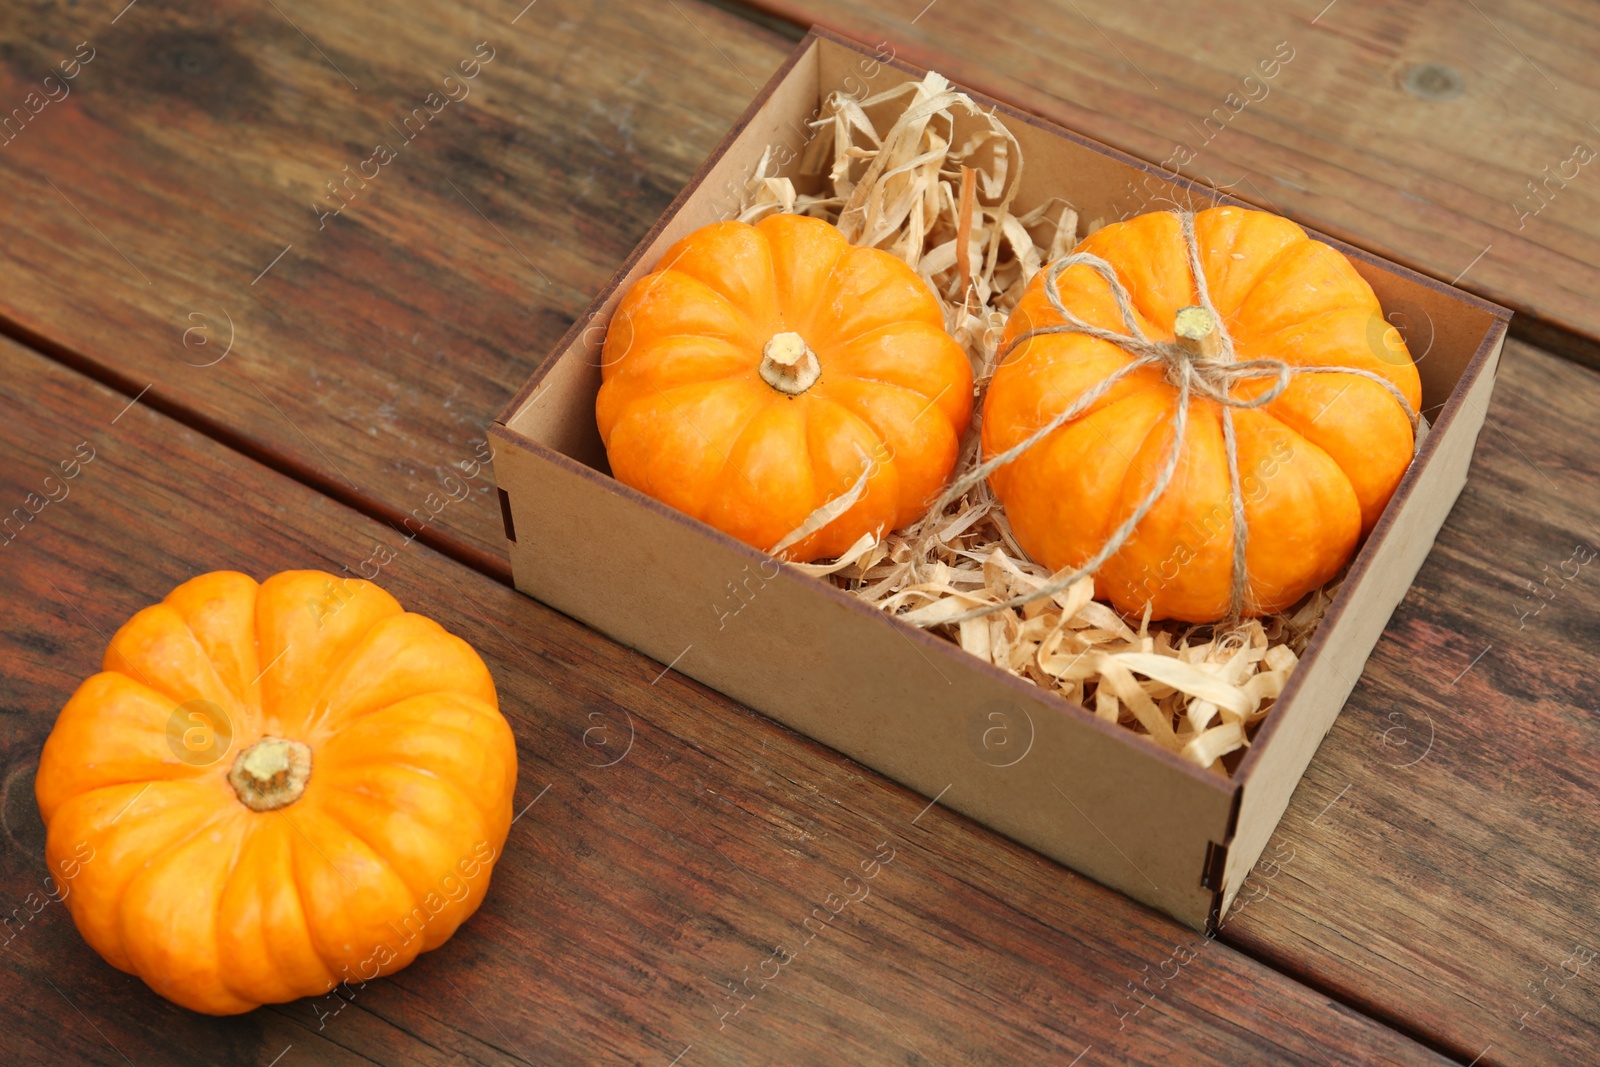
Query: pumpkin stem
[[272, 773], [1197, 333], [789, 365]]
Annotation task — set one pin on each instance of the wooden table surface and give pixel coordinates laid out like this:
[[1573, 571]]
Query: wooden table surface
[[267, 384]]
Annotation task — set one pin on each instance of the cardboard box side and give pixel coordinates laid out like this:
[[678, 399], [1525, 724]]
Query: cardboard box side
[[921, 711], [1379, 579]]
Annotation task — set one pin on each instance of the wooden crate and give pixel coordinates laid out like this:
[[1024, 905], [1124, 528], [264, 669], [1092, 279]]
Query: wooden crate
[[1089, 794]]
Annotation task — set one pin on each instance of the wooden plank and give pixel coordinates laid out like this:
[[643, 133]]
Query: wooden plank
[[1437, 864], [182, 198], [157, 144], [1334, 138], [669, 839]]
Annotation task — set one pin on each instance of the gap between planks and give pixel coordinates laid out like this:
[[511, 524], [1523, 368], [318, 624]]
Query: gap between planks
[[1353, 1003], [327, 484]]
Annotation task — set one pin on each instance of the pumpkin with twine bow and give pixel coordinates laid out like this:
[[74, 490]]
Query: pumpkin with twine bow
[[1206, 412], [784, 386]]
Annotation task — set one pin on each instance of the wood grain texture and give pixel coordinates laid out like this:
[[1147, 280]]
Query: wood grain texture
[[368, 359], [668, 840], [1334, 138], [1438, 861], [179, 198]]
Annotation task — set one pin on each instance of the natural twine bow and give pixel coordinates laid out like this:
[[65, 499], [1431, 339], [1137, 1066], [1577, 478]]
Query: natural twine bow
[[1200, 362]]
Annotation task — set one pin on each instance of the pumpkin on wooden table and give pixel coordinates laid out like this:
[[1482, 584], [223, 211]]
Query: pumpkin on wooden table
[[1315, 464], [274, 788], [761, 371]]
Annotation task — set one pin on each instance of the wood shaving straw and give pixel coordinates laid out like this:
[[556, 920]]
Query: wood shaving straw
[[935, 189]]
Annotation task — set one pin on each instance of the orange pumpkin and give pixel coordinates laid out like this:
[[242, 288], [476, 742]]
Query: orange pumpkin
[[761, 370], [1316, 465], [274, 788]]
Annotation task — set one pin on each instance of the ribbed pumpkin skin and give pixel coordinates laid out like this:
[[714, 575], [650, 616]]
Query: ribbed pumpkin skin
[[686, 417], [1317, 464], [220, 908]]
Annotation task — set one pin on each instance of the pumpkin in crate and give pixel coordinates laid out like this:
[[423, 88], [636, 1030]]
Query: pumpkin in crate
[[271, 789], [1299, 414], [763, 372]]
